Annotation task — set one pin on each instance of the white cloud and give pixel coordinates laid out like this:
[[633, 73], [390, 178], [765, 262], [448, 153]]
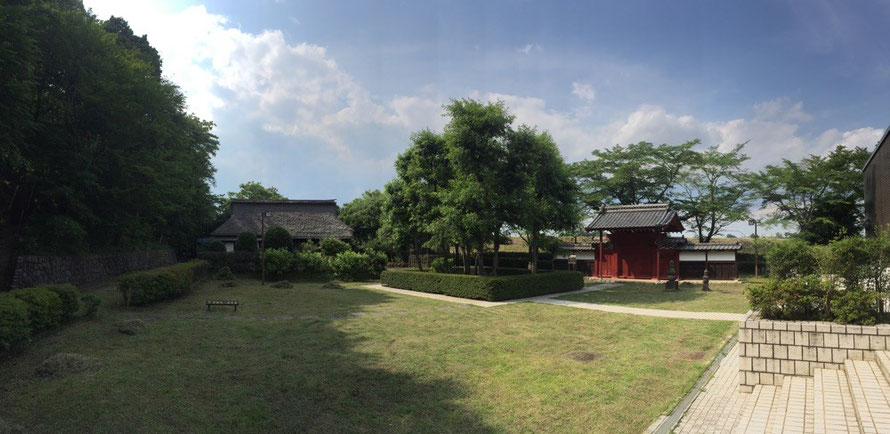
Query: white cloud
[[781, 109], [584, 91], [528, 48]]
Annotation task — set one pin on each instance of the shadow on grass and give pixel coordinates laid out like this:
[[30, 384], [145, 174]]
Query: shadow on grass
[[219, 373]]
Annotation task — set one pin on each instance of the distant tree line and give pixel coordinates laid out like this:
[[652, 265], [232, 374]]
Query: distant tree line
[[97, 149]]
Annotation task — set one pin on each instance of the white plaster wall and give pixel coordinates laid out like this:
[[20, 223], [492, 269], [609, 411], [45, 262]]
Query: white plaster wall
[[712, 256]]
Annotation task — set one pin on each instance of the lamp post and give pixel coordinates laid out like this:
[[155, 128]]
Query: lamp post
[[753, 222], [263, 244]]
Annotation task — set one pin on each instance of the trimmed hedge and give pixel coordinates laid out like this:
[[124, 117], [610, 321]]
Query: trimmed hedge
[[237, 261], [146, 287], [490, 288], [26, 311]]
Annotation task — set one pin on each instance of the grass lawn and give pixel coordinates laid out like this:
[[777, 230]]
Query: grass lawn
[[723, 297], [309, 359]]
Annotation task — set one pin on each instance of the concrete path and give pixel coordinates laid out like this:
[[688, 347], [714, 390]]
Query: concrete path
[[549, 299], [718, 408]]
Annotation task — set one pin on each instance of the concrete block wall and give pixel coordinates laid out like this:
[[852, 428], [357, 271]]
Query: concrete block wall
[[770, 350], [41, 270]]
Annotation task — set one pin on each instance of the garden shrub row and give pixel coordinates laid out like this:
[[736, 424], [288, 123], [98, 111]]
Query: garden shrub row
[[237, 261], [490, 288], [146, 287], [26, 311], [347, 265]]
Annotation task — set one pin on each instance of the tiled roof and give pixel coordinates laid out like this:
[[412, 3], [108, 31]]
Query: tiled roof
[[681, 243], [653, 216], [577, 247], [304, 219]]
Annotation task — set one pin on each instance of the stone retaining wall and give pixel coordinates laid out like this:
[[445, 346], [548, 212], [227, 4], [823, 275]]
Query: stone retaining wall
[[41, 270], [770, 350]]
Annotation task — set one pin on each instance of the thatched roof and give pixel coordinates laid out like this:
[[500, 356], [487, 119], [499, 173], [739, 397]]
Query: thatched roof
[[303, 219]]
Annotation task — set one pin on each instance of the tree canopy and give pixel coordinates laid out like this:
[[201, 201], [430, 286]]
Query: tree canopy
[[822, 195], [98, 150]]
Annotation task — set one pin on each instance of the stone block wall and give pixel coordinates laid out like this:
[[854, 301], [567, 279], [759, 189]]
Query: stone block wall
[[770, 350], [41, 270]]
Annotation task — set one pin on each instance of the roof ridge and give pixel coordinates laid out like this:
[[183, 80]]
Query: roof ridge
[[639, 207]]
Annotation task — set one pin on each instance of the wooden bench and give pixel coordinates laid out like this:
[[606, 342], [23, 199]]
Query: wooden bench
[[222, 303]]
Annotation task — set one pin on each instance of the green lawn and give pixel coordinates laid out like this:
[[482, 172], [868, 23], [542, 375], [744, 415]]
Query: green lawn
[[309, 359], [723, 297]]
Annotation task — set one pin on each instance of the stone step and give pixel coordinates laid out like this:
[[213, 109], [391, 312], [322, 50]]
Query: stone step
[[882, 358], [789, 412], [871, 395], [832, 403], [756, 414]]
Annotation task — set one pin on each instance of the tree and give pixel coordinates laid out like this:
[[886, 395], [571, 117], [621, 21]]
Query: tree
[[636, 174], [246, 242], [278, 237], [475, 143], [255, 190], [364, 214], [543, 196], [96, 145], [712, 192], [823, 196]]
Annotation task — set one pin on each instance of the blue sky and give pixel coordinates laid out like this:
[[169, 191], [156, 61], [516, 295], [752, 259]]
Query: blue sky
[[318, 98]]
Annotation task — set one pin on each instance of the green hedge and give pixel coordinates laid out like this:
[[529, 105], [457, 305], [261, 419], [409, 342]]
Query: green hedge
[[484, 287], [26, 311], [146, 287], [237, 261]]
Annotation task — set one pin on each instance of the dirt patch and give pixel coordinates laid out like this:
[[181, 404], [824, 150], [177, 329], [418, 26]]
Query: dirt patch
[[332, 285], [582, 356], [691, 355], [131, 326], [284, 284], [60, 364]]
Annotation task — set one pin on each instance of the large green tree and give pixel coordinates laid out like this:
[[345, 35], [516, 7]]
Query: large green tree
[[822, 195], [363, 215], [712, 192], [255, 190], [98, 150], [542, 193], [634, 174]]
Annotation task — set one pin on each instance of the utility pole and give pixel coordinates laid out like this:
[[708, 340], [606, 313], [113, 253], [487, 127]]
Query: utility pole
[[753, 222]]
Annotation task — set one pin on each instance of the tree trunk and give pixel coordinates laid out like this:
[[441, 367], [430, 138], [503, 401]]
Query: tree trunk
[[494, 258], [8, 236], [418, 254], [466, 255], [480, 265], [534, 249]]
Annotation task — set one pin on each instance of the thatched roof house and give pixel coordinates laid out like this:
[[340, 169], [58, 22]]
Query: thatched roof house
[[303, 219]]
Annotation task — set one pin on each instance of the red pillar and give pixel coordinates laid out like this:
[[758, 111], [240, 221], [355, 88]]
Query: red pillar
[[599, 263], [657, 261]]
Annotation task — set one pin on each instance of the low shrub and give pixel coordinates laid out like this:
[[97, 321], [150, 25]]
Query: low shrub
[[14, 326], [332, 247], [796, 298], [212, 246], [70, 298], [224, 273], [491, 288], [45, 307], [312, 263], [238, 262], [279, 262], [440, 265], [91, 305], [246, 242], [793, 258], [349, 265], [278, 237], [146, 287], [856, 307]]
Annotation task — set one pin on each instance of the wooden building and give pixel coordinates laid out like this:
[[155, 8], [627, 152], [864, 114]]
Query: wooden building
[[640, 246], [877, 187]]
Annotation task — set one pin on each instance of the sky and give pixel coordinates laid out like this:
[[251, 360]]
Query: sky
[[317, 98]]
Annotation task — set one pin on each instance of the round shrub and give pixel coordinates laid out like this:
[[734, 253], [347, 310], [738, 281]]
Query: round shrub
[[224, 273], [14, 326], [440, 265], [312, 263], [332, 247], [277, 237], [792, 258], [246, 242], [856, 307], [796, 298], [44, 306], [310, 246], [279, 261], [350, 265], [70, 299]]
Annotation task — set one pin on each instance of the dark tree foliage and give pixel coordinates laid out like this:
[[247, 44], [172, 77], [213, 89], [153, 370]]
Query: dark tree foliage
[[97, 151], [277, 237], [363, 215], [246, 242]]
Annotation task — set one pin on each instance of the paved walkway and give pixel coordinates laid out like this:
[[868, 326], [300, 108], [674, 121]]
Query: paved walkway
[[549, 299], [719, 405]]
